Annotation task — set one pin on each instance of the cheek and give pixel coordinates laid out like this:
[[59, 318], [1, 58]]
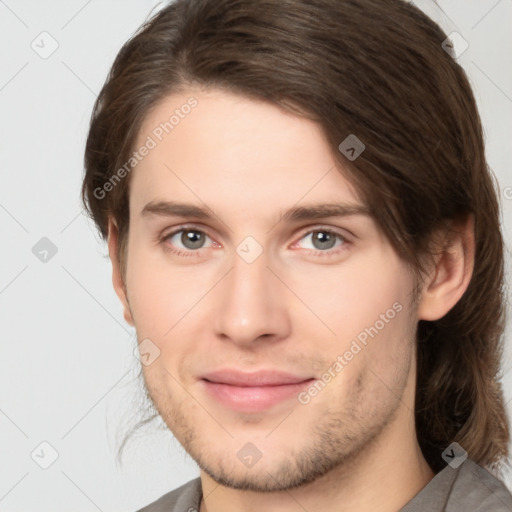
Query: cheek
[[155, 297], [368, 289], [168, 303], [366, 303]]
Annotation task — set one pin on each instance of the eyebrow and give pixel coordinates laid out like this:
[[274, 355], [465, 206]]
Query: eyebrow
[[298, 213]]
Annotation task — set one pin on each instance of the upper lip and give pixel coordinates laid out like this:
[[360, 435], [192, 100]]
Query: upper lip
[[258, 378]]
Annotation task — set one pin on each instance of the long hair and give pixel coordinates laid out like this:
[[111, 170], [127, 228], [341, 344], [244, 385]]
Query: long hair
[[377, 70]]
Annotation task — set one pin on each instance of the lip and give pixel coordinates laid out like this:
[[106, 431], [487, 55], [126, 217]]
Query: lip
[[258, 378], [253, 392]]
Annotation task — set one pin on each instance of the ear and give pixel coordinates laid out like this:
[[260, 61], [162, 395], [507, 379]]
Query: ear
[[117, 279], [451, 274]]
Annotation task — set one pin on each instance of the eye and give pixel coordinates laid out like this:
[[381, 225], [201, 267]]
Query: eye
[[322, 240], [186, 240], [189, 241]]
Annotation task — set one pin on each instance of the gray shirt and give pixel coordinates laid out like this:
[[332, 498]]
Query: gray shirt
[[469, 488]]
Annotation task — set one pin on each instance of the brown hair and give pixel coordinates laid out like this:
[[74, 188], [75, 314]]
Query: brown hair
[[365, 67]]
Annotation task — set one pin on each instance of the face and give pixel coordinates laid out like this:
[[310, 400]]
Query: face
[[275, 317]]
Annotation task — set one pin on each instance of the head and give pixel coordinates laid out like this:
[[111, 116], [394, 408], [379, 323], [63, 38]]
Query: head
[[248, 111]]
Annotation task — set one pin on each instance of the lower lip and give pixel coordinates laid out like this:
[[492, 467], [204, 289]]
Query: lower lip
[[253, 398]]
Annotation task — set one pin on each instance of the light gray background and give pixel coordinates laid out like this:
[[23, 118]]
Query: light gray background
[[68, 373]]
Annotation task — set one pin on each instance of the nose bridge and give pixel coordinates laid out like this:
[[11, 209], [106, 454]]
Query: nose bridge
[[251, 303]]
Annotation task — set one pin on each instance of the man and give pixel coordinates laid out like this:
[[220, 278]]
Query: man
[[305, 236]]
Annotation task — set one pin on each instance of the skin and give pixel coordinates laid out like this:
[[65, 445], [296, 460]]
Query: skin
[[295, 308]]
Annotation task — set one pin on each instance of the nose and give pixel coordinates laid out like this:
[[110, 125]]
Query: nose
[[251, 304]]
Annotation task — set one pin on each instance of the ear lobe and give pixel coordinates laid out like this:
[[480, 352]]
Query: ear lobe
[[452, 272], [117, 279]]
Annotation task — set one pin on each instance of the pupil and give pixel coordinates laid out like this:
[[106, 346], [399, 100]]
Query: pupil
[[323, 240], [192, 239]]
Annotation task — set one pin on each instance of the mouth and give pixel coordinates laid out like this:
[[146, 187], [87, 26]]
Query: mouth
[[253, 392]]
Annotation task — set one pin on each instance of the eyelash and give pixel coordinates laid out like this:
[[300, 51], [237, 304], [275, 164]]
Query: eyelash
[[314, 252]]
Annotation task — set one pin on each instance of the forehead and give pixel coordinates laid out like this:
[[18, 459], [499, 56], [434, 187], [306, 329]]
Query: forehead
[[235, 152]]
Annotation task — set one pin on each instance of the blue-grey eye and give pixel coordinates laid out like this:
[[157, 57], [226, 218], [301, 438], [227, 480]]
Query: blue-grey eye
[[323, 240], [189, 239]]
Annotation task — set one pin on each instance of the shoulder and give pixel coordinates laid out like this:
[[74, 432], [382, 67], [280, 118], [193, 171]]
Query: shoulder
[[477, 487], [467, 488], [183, 499]]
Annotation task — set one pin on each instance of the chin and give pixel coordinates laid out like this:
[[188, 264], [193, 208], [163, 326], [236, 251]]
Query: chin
[[268, 474]]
